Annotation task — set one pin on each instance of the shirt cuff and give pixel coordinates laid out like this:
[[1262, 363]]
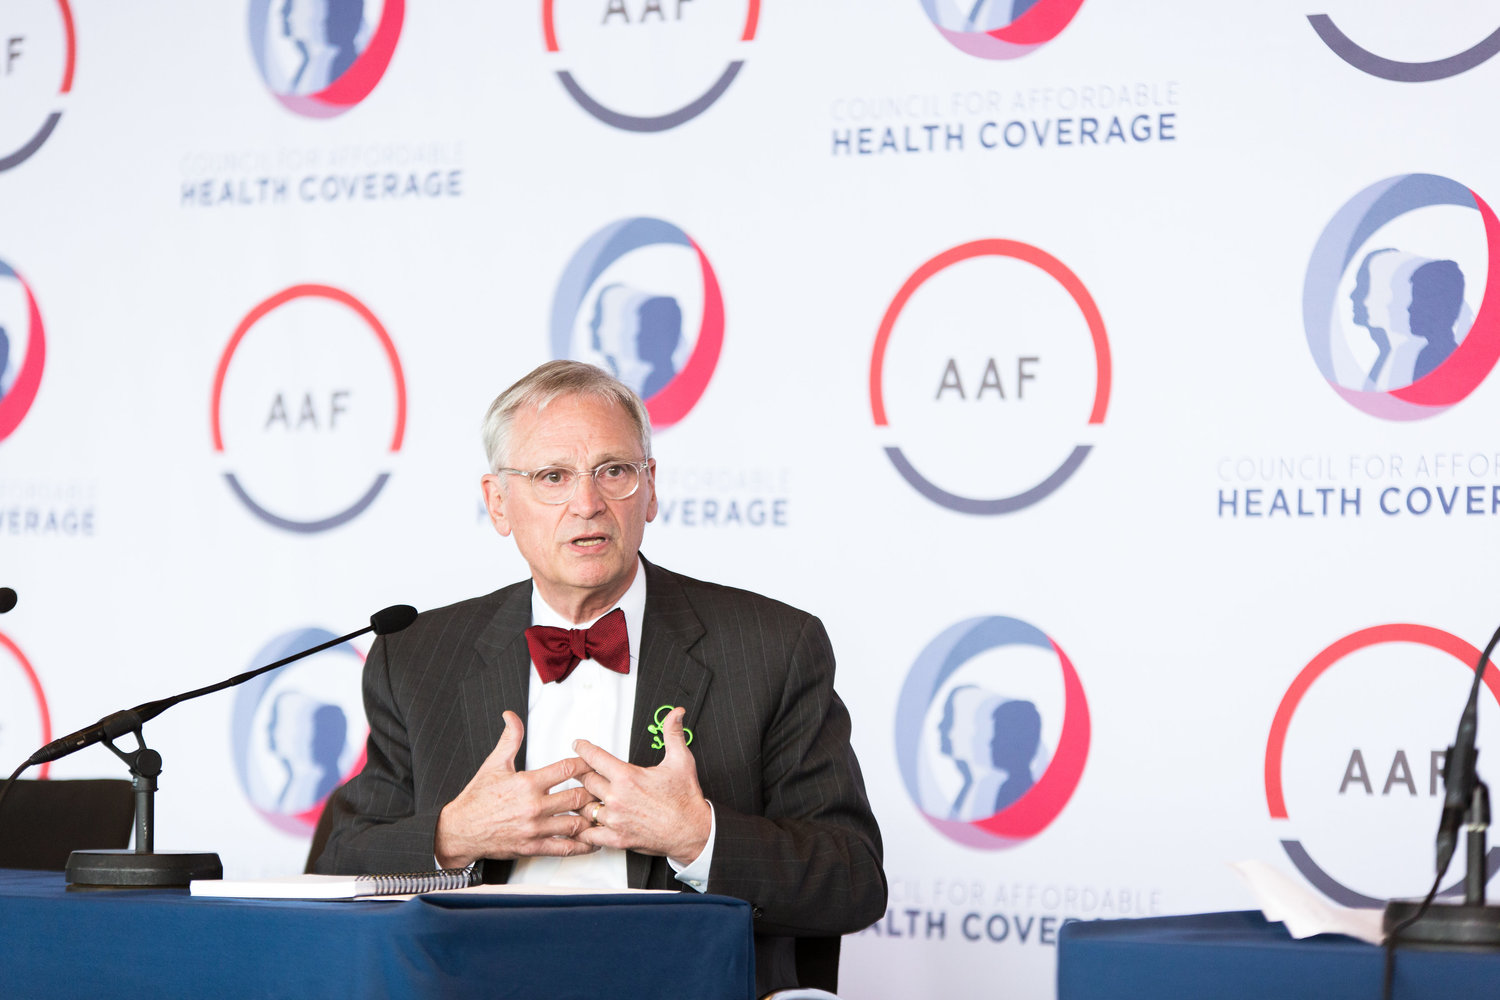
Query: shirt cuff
[[467, 869], [695, 875]]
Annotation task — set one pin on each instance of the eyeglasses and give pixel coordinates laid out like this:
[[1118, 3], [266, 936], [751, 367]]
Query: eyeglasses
[[555, 484]]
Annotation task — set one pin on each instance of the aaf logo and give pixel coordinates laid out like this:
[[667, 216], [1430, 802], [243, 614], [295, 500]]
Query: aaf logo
[[310, 401], [992, 732], [299, 732], [322, 57], [641, 299], [37, 50], [1000, 29], [998, 355], [1386, 32], [1396, 304], [1356, 753], [25, 722], [23, 349], [648, 65]]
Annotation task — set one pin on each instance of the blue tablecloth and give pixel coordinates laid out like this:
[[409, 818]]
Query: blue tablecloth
[[1239, 956], [164, 943]]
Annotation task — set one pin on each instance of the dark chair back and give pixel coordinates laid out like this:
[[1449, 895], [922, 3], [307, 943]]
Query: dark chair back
[[817, 960], [42, 822]]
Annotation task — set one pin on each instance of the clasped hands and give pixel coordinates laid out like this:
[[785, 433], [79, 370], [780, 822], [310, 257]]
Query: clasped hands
[[505, 813]]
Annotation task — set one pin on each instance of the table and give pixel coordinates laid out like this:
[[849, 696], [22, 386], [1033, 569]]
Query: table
[[1229, 956], [163, 943]]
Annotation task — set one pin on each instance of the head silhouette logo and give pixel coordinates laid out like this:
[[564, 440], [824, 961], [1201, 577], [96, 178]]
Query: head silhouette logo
[[992, 732], [36, 75], [25, 723], [298, 732], [610, 56], [23, 349], [308, 409], [988, 361], [640, 299], [1397, 70], [1397, 304], [1000, 29], [1355, 754], [322, 57]]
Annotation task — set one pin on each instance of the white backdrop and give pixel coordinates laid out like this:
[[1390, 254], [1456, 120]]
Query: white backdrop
[[1021, 333]]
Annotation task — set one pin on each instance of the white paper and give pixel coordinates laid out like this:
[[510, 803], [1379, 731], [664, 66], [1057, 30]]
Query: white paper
[[526, 890], [282, 887], [1303, 911]]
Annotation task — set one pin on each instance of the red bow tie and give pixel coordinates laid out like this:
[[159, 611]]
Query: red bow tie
[[556, 651]]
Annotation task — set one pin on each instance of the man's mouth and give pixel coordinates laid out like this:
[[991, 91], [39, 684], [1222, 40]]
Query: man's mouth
[[590, 541]]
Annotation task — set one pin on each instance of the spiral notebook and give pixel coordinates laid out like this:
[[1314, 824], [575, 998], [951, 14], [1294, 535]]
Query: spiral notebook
[[332, 886]]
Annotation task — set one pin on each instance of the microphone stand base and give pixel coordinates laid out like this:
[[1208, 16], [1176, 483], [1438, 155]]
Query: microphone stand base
[[1446, 925], [126, 869]]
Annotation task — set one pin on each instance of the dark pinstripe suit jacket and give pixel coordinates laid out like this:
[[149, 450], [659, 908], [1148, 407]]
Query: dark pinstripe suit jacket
[[795, 836]]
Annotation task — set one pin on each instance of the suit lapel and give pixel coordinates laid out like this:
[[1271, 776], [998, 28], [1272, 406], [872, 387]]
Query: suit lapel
[[669, 675], [501, 679], [498, 679]]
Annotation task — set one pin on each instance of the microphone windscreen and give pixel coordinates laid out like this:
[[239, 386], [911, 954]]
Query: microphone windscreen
[[7, 599], [393, 619]]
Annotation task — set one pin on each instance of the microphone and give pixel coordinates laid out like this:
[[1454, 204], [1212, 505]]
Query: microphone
[[383, 622], [7, 599], [1459, 776], [110, 727]]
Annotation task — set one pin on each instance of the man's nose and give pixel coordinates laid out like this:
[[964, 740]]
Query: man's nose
[[587, 500]]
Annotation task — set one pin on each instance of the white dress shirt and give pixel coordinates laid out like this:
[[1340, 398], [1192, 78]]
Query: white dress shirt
[[594, 704]]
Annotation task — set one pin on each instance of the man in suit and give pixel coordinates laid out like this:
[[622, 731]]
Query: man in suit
[[542, 732]]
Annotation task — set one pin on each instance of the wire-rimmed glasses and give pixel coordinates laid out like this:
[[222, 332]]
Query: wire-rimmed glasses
[[554, 484]]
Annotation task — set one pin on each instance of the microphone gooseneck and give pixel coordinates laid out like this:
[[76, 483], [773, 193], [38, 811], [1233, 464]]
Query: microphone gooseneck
[[145, 867], [111, 727]]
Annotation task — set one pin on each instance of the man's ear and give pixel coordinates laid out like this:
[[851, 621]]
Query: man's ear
[[494, 501], [650, 484]]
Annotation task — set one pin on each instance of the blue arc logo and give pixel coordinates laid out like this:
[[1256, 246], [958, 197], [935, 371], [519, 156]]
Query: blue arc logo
[[297, 732], [639, 335], [1394, 70], [1412, 337], [990, 732]]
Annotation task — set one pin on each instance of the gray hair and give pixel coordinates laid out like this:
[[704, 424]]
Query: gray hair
[[554, 380]]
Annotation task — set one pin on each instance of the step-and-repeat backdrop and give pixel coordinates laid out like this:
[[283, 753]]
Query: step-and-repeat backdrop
[[1114, 380]]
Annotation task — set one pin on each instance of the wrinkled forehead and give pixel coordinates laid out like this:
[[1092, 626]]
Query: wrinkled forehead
[[576, 430]]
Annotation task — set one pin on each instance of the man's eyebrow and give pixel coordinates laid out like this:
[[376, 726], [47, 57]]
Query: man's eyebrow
[[604, 458], [542, 465]]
